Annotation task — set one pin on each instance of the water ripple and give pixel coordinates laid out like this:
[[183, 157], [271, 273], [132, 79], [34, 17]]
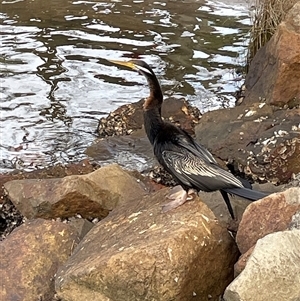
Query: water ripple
[[56, 81]]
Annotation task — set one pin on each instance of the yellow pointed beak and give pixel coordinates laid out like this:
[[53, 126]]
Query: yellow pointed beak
[[129, 64]]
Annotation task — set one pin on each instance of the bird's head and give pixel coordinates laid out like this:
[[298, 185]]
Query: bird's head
[[137, 65], [156, 97]]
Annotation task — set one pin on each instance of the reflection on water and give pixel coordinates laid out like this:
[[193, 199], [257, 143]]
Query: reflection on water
[[56, 82]]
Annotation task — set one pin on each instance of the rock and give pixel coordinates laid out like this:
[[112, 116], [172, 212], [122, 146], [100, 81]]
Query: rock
[[216, 204], [82, 226], [139, 253], [295, 222], [274, 73], [272, 271], [10, 218], [123, 139], [133, 151], [129, 117], [241, 263], [56, 171], [30, 256], [91, 195], [270, 214], [257, 140]]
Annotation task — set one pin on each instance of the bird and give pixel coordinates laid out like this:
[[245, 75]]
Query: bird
[[192, 166]]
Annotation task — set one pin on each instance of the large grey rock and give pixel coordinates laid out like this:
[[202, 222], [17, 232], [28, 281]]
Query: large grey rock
[[91, 195], [139, 253], [272, 271], [30, 257]]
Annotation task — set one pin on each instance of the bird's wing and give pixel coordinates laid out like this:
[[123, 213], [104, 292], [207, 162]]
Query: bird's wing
[[197, 149], [197, 172]]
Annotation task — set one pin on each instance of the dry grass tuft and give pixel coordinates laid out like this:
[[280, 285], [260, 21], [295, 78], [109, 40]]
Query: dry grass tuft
[[267, 16]]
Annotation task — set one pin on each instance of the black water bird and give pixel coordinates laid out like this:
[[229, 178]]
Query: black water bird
[[191, 164]]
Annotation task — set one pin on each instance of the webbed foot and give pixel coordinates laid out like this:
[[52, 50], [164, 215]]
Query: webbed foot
[[178, 196]]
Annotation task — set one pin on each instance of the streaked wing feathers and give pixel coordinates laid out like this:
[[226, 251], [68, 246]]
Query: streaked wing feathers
[[193, 170]]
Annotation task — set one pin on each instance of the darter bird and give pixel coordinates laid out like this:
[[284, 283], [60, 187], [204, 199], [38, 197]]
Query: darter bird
[[191, 164]]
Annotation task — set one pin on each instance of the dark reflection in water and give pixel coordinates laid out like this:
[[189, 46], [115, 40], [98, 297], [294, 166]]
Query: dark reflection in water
[[56, 82]]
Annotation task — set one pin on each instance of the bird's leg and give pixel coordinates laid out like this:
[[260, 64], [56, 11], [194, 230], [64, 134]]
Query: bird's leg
[[178, 196], [227, 201]]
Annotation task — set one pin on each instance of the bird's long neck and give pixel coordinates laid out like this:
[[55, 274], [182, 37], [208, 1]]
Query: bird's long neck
[[155, 99], [152, 108], [153, 123]]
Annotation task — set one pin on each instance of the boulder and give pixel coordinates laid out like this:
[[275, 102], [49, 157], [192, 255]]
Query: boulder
[[272, 271], [56, 171], [130, 117], [274, 73], [257, 140], [270, 214], [139, 253], [30, 256], [91, 195]]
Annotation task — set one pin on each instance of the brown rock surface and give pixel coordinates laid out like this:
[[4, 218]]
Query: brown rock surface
[[139, 253], [82, 226], [271, 214], [92, 195], [258, 140], [274, 72], [57, 171], [129, 117], [242, 262], [29, 259]]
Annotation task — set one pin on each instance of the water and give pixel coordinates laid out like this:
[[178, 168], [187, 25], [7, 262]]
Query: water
[[56, 82]]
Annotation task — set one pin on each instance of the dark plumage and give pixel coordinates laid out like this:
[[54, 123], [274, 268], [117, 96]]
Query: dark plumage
[[191, 165]]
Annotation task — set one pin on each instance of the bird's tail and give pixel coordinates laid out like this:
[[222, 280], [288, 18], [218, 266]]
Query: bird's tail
[[246, 193]]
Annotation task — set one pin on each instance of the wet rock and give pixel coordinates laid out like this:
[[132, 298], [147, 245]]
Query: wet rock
[[271, 214], [133, 151], [123, 139], [91, 195], [30, 256], [140, 253], [258, 141], [272, 271], [274, 72], [129, 117]]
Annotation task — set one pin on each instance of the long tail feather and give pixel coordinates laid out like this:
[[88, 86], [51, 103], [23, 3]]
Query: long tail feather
[[246, 193]]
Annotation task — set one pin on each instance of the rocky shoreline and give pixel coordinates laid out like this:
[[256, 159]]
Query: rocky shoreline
[[87, 231]]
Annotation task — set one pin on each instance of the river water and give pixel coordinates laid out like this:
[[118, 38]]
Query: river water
[[56, 82]]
